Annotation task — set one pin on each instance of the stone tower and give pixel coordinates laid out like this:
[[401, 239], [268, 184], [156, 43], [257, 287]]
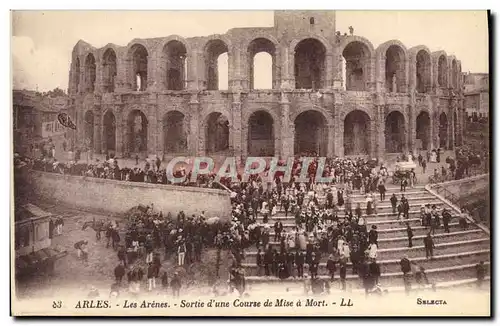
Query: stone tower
[[296, 22]]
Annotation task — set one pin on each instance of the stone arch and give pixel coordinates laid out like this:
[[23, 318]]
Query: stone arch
[[88, 129], [394, 57], [310, 63], [138, 55], [421, 57], [90, 73], [357, 135], [311, 133], [109, 70], [423, 129], [174, 56], [261, 134], [395, 132], [296, 40], [213, 49], [357, 56], [217, 132], [109, 131], [354, 38], [261, 45], [137, 132], [443, 130], [440, 68], [164, 41], [174, 133]]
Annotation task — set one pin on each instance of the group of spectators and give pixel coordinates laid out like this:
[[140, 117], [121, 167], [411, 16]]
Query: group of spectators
[[327, 224]]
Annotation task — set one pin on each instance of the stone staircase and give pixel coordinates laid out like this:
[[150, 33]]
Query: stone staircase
[[455, 255]]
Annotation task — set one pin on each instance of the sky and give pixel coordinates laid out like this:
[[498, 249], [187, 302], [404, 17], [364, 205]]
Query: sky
[[42, 41]]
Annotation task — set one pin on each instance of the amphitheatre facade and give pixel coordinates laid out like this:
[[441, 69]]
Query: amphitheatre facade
[[332, 94]]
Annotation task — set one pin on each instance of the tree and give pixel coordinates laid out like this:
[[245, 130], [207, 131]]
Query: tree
[[56, 92]]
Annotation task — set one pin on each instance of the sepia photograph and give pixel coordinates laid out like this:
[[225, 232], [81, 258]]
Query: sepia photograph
[[250, 163]]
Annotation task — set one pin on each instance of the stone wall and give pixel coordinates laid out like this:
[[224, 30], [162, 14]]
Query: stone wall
[[112, 196], [466, 187], [283, 102]]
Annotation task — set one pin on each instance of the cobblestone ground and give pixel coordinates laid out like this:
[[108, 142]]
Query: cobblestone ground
[[72, 274]]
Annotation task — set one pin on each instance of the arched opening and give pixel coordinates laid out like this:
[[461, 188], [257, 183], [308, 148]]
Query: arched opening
[[311, 134], [76, 74], [261, 134], [395, 72], [454, 74], [139, 57], [217, 133], [175, 57], [423, 71], [357, 133], [215, 51], [109, 71], [109, 124], [442, 71], [89, 129], [423, 130], [395, 132], [174, 132], [137, 130], [262, 62], [310, 64], [90, 73], [356, 61], [443, 131]]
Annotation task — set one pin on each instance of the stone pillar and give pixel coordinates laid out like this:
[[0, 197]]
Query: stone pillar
[[432, 133], [380, 130], [412, 124], [82, 83], [120, 133], [287, 64], [122, 81], [99, 76], [152, 129], [404, 83], [336, 136], [330, 150], [195, 71], [412, 75], [196, 132], [236, 127], [97, 130], [287, 136], [371, 74], [437, 139], [235, 73], [328, 82], [337, 71], [452, 130], [160, 137]]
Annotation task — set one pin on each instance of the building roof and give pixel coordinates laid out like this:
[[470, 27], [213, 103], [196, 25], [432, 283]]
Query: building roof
[[39, 102], [29, 212]]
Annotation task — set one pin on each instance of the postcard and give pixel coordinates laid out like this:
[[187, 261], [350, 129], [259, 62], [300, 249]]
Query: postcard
[[250, 163]]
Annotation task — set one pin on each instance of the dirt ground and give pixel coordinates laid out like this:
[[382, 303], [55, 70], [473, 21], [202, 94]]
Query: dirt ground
[[71, 273]]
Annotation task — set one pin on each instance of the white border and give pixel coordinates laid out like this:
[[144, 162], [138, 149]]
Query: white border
[[5, 123]]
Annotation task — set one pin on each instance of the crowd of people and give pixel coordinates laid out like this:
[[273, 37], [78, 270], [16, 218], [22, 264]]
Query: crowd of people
[[327, 223]]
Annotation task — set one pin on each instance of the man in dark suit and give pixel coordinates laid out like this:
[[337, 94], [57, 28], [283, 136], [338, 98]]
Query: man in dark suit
[[429, 246], [394, 203], [299, 261], [409, 231]]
